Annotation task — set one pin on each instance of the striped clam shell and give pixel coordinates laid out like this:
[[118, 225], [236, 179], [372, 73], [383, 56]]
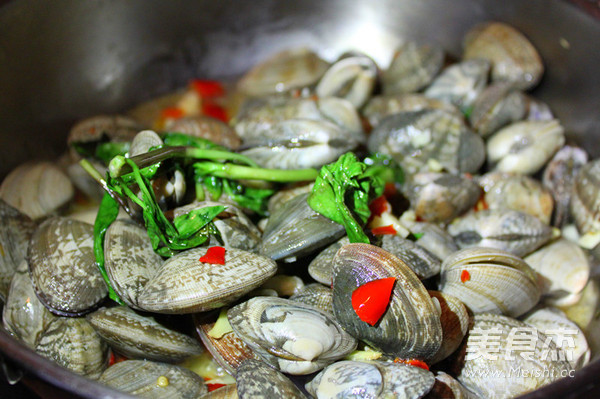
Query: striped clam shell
[[455, 321], [508, 230], [321, 267], [255, 379], [420, 260], [129, 259], [410, 327], [186, 285], [489, 280], [72, 343], [141, 337], [15, 231], [413, 67], [143, 141], [207, 128], [316, 295], [585, 201], [372, 379], [434, 239], [447, 387], [63, 267], [498, 105], [139, 377], [290, 336]]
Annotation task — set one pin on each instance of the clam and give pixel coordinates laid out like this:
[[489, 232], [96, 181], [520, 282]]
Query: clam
[[207, 128], [585, 200], [565, 334], [564, 270], [428, 139], [498, 105], [295, 230], [290, 336], [447, 387], [321, 267], [513, 57], [316, 295], [489, 280], [23, 315], [420, 260], [375, 379], [141, 337], [286, 194], [433, 238], [143, 142], [84, 182], [461, 83], [538, 110], [154, 380], [37, 189], [413, 67], [72, 343], [517, 192], [129, 259], [351, 78], [410, 327], [440, 197], [455, 321], [513, 231], [286, 70], [524, 147], [505, 358], [186, 285], [379, 107], [15, 232], [63, 266], [559, 177], [255, 379]]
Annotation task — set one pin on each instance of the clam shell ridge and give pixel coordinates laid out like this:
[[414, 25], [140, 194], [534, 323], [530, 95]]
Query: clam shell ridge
[[186, 285], [410, 327], [292, 337]]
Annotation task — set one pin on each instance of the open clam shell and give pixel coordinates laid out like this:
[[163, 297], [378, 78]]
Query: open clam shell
[[455, 321], [489, 280], [63, 267], [291, 336], [410, 327], [186, 285], [585, 201], [255, 379]]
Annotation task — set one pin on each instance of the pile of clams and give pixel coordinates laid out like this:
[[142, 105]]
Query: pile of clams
[[491, 243]]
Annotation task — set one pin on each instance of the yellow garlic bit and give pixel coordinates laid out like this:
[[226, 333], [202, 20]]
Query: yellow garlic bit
[[162, 381]]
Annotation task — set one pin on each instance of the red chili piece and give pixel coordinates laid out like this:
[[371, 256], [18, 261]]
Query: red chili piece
[[215, 111], [379, 231], [413, 362], [371, 299], [214, 256], [208, 88], [378, 206], [465, 276], [172, 113], [390, 190], [213, 387]]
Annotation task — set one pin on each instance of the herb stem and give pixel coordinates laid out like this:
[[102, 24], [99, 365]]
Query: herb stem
[[232, 171]]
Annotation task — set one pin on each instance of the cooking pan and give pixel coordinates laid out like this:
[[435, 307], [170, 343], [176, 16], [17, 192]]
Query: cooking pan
[[64, 60]]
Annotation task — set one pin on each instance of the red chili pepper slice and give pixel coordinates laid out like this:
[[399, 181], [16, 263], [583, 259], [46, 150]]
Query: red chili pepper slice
[[378, 206], [214, 256], [413, 362], [465, 276], [390, 190], [371, 299], [213, 387], [215, 111], [172, 113], [383, 230], [208, 88]]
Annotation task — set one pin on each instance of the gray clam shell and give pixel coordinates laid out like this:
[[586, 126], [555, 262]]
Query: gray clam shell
[[321, 267], [255, 379], [421, 261], [410, 327], [63, 267], [290, 336], [186, 285], [72, 343], [141, 337], [139, 377], [316, 295], [585, 201], [129, 259]]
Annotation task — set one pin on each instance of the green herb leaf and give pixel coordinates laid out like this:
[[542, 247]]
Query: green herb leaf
[[342, 193], [190, 223], [107, 151], [109, 209], [181, 139], [385, 167]]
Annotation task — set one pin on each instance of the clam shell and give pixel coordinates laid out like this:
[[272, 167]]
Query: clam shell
[[23, 315], [63, 267], [564, 270], [447, 387], [585, 201], [129, 259], [290, 336], [15, 231], [295, 230], [114, 127], [321, 267], [316, 295], [72, 343], [420, 260], [416, 138], [372, 379], [513, 57], [413, 67], [410, 327], [455, 323], [434, 239], [254, 379], [496, 281], [139, 377], [186, 285], [492, 352], [143, 141], [137, 336], [508, 230], [37, 189], [207, 128], [498, 105]]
